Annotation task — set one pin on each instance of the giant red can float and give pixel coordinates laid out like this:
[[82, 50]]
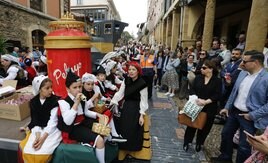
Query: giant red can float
[[68, 47]]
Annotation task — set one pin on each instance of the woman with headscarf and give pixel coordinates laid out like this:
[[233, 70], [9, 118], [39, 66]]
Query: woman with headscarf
[[12, 70], [133, 122]]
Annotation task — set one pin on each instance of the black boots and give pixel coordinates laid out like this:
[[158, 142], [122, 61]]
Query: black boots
[[198, 148], [185, 147]]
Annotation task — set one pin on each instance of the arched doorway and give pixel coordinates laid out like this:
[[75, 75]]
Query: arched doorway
[[38, 39]]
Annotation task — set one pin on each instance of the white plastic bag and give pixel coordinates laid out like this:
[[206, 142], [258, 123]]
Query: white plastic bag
[[191, 109]]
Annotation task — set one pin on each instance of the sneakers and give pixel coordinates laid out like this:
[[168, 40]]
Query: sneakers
[[167, 93], [172, 95], [118, 139]]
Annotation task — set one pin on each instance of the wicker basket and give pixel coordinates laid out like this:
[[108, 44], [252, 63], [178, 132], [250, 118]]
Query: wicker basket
[[101, 128], [100, 108]]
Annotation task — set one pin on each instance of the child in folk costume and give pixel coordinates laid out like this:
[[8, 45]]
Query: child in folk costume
[[103, 84], [111, 77], [76, 119], [43, 137], [89, 90], [133, 120]]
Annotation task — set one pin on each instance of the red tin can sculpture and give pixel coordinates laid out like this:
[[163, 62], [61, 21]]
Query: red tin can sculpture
[[67, 47]]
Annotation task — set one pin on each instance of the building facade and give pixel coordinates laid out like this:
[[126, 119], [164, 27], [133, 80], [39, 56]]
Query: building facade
[[24, 23], [95, 9], [182, 22]]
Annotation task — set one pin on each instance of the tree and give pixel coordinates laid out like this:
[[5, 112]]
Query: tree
[[125, 36]]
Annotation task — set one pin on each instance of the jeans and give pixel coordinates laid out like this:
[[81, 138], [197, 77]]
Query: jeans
[[234, 122]]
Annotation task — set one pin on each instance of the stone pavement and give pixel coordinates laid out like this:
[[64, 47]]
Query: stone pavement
[[167, 134]]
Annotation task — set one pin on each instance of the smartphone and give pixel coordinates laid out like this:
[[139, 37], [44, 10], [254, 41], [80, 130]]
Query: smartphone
[[250, 136]]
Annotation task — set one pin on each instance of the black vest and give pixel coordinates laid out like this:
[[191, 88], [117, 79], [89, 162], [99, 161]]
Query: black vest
[[40, 114], [133, 88], [61, 125], [88, 94]]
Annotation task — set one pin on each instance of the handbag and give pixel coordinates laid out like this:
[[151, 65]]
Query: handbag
[[191, 109], [198, 123], [191, 77], [184, 91]]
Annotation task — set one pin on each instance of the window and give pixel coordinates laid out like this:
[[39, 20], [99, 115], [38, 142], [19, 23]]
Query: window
[[36, 5], [96, 30], [79, 2], [117, 27], [107, 28], [66, 6], [38, 38]]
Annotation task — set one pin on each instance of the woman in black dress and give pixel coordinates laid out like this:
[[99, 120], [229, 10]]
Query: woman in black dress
[[133, 124], [207, 87]]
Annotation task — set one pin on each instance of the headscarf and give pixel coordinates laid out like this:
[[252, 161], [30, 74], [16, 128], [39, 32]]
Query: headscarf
[[37, 81], [109, 66], [9, 57], [43, 59], [87, 77]]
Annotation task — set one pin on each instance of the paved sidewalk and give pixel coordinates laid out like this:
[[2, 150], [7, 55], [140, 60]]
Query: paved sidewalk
[[167, 134]]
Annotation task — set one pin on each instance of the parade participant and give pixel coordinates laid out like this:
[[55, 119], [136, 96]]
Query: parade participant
[[133, 120], [246, 107], [31, 72], [111, 77], [12, 70], [43, 136], [89, 90], [103, 85], [207, 87], [42, 66], [76, 119]]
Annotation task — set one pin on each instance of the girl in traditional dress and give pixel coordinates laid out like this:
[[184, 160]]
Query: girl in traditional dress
[[91, 92], [76, 119], [133, 120], [43, 136]]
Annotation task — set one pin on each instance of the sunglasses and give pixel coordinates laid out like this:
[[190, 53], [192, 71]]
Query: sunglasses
[[247, 61], [202, 53], [204, 68]]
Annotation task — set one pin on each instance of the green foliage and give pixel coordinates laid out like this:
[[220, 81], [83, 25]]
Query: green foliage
[[126, 36]]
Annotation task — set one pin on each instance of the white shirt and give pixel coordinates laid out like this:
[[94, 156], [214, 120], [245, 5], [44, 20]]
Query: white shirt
[[143, 102], [69, 114], [240, 101], [12, 74]]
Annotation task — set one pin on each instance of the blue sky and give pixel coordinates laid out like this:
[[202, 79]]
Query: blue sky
[[132, 12]]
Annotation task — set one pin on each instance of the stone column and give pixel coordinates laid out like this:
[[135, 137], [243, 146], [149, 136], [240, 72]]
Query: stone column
[[257, 26], [208, 24], [168, 31], [159, 32], [175, 29], [163, 32]]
